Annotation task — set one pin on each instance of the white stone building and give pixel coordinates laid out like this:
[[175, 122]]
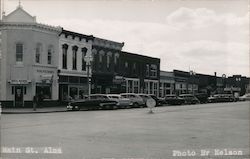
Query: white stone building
[[29, 59]]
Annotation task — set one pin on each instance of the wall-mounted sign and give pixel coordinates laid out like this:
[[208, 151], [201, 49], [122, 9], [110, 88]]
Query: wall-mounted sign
[[18, 81], [45, 71]]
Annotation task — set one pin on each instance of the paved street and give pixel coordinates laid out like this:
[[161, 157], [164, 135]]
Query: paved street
[[130, 133]]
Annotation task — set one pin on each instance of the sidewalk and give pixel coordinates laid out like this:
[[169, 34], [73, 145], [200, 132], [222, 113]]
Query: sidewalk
[[30, 110]]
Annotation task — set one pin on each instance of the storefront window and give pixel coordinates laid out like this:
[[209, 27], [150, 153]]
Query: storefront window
[[73, 93], [136, 86], [44, 91]]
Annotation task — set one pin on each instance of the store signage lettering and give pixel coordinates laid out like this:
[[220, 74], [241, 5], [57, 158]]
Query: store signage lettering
[[16, 81], [45, 71]]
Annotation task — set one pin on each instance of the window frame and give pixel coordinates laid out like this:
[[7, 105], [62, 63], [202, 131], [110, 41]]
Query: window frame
[[19, 53]]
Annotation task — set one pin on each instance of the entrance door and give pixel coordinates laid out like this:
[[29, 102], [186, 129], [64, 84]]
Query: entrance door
[[19, 96]]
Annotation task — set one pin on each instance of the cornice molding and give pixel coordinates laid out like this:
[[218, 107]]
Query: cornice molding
[[32, 26]]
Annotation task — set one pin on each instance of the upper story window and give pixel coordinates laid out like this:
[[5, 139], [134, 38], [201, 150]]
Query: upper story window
[[50, 51], [153, 70], [134, 66], [84, 52], [74, 57], [126, 64], [109, 56], [101, 54], [147, 70], [19, 52], [64, 56], [116, 58], [38, 52]]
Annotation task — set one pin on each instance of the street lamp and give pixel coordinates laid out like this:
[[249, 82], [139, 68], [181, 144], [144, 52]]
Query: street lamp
[[192, 74], [88, 59]]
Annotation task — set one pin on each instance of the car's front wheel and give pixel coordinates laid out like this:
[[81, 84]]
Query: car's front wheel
[[135, 105]]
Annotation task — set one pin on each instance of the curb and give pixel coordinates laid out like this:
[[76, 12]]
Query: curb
[[34, 112]]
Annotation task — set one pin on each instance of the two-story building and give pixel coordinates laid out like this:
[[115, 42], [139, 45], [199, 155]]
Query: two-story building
[[29, 59], [141, 74], [72, 68], [105, 65]]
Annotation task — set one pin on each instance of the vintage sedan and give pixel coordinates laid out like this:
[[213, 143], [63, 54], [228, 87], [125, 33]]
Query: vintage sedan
[[95, 102], [245, 97], [135, 98], [145, 97], [218, 98], [189, 99], [121, 101], [174, 100]]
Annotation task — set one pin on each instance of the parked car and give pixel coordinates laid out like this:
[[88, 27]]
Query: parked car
[[95, 102], [174, 100], [245, 97], [135, 98], [145, 97], [121, 101], [159, 101], [202, 97], [217, 98], [189, 99]]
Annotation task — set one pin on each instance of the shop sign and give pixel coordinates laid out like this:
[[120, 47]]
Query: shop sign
[[45, 71], [17, 81], [118, 79]]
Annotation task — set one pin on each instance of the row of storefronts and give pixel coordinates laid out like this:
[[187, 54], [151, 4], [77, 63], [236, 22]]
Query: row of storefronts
[[50, 63], [58, 65]]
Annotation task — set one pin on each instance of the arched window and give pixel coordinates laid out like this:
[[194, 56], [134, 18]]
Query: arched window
[[84, 52], [116, 58], [64, 56], [38, 53], [74, 57], [109, 57], [101, 54], [50, 51], [19, 52]]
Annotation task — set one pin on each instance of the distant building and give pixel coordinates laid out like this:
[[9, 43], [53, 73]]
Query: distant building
[[141, 74], [167, 83], [237, 84], [186, 82]]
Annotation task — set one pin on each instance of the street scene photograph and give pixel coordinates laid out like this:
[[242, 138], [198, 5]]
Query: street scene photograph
[[124, 79]]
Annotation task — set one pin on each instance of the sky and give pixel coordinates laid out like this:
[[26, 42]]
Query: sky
[[205, 36]]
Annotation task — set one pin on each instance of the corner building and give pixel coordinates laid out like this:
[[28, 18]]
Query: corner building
[[29, 59]]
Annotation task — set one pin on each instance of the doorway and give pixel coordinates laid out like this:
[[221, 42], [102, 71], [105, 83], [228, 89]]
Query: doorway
[[18, 96]]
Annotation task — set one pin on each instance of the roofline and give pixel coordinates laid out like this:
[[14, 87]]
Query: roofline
[[119, 43], [67, 32], [141, 55]]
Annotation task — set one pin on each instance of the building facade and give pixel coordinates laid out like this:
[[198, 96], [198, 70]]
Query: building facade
[[49, 62], [237, 85], [105, 65], [167, 83], [29, 59], [141, 74], [72, 67]]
